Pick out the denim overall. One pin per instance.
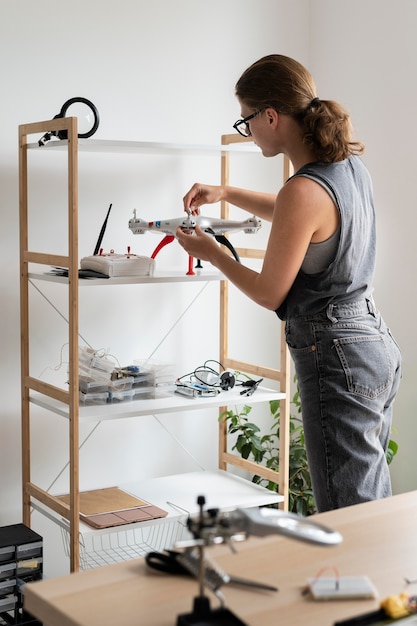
(347, 363)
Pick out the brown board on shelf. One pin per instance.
(111, 506)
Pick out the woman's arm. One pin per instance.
(303, 212)
(255, 203)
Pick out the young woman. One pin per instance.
(317, 275)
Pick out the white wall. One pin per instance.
(157, 70)
(364, 54)
(166, 71)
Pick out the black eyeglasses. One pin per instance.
(242, 125)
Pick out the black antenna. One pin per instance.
(102, 231)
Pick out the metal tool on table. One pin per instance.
(215, 527)
(187, 563)
(211, 527)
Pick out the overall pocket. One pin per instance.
(366, 364)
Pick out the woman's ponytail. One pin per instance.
(285, 85)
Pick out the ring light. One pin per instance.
(88, 119)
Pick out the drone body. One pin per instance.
(214, 226)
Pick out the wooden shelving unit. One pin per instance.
(65, 402)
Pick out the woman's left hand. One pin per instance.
(197, 243)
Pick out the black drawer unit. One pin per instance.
(21, 562)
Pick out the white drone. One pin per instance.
(213, 226)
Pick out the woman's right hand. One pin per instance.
(199, 195)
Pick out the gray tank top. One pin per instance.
(349, 276)
(320, 254)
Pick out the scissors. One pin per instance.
(185, 564)
(167, 562)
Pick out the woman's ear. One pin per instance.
(271, 116)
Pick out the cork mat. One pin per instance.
(105, 508)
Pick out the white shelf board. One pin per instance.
(221, 489)
(169, 403)
(160, 276)
(177, 494)
(114, 146)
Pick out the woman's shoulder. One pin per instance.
(332, 173)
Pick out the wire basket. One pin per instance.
(127, 543)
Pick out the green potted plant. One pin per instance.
(250, 443)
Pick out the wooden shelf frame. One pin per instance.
(281, 374)
(28, 383)
(33, 388)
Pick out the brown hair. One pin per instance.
(283, 84)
